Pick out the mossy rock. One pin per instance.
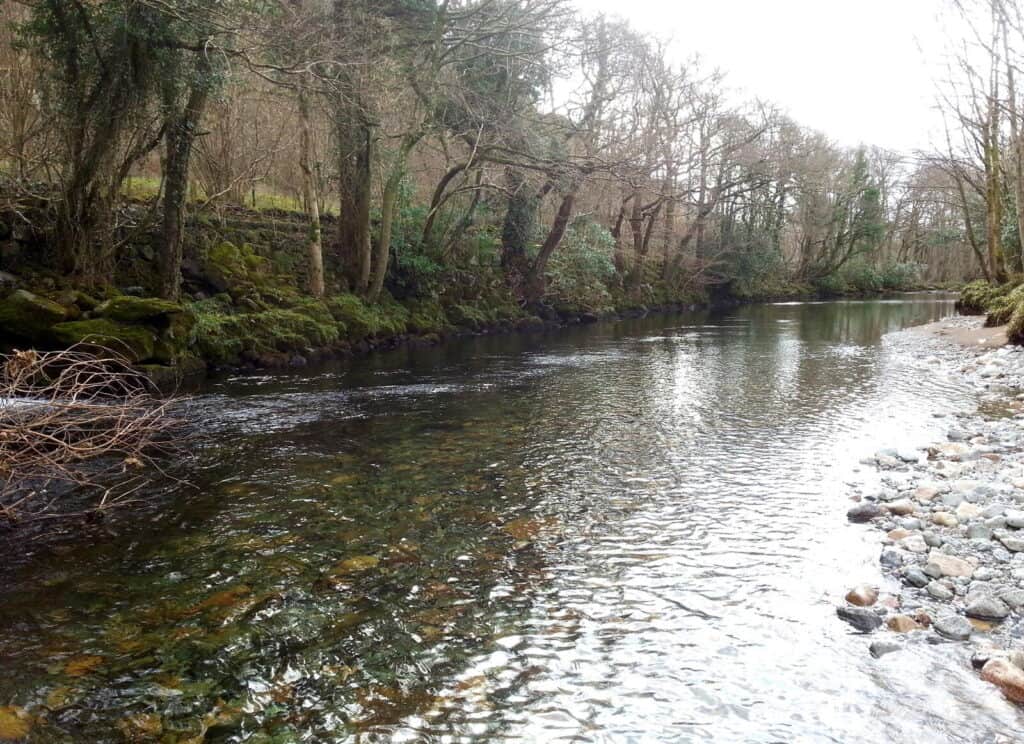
(28, 316)
(135, 342)
(978, 298)
(224, 339)
(138, 309)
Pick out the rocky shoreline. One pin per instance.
(952, 521)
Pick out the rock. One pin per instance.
(862, 619)
(915, 577)
(1014, 598)
(879, 649)
(29, 316)
(911, 523)
(932, 570)
(891, 558)
(864, 512)
(898, 534)
(914, 543)
(979, 532)
(953, 627)
(1012, 543)
(950, 565)
(952, 499)
(862, 596)
(138, 309)
(1007, 677)
(944, 519)
(966, 512)
(902, 624)
(939, 591)
(136, 343)
(933, 539)
(1015, 519)
(924, 494)
(902, 507)
(908, 455)
(987, 608)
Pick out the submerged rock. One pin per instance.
(903, 624)
(879, 649)
(954, 627)
(862, 619)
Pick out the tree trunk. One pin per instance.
(355, 160)
(535, 284)
(311, 198)
(180, 136)
(389, 204)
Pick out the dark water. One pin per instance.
(628, 532)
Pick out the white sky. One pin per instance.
(862, 71)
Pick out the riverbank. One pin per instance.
(951, 518)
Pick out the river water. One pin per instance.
(632, 531)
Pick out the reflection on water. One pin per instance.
(627, 532)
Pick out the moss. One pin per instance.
(224, 338)
(29, 316)
(137, 309)
(980, 297)
(428, 316)
(362, 321)
(467, 316)
(136, 342)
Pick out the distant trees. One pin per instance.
(428, 126)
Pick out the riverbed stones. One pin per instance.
(862, 596)
(987, 608)
(1007, 677)
(944, 519)
(862, 619)
(954, 627)
(864, 512)
(949, 565)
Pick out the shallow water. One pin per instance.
(633, 531)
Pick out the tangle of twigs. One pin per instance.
(79, 421)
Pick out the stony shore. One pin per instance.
(952, 520)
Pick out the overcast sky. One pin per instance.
(861, 71)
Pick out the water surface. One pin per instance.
(632, 531)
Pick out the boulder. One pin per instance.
(135, 342)
(138, 309)
(29, 316)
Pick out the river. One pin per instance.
(631, 531)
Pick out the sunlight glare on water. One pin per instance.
(626, 532)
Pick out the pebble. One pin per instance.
(1015, 519)
(902, 507)
(915, 577)
(1012, 543)
(939, 591)
(955, 627)
(1007, 677)
(902, 624)
(944, 519)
